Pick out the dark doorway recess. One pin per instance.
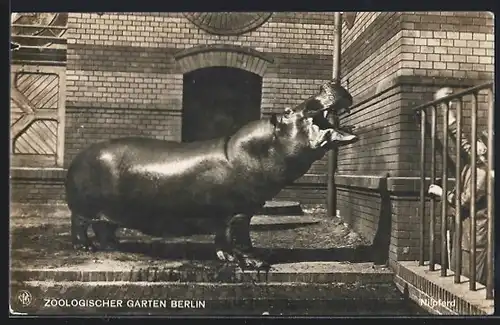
(217, 101)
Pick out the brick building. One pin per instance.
(146, 73)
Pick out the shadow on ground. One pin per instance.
(50, 245)
(45, 241)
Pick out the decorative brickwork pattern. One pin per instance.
(224, 56)
(228, 23)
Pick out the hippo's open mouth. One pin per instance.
(325, 133)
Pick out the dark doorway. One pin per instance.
(217, 101)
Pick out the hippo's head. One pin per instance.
(307, 126)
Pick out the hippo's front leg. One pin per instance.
(105, 233)
(234, 243)
(79, 237)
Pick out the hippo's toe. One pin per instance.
(108, 246)
(249, 261)
(87, 247)
(225, 256)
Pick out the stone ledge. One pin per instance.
(157, 290)
(369, 182)
(33, 174)
(425, 284)
(394, 184)
(357, 296)
(302, 272)
(282, 207)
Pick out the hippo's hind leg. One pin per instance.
(105, 233)
(235, 244)
(79, 236)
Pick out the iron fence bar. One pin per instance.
(458, 95)
(490, 195)
(432, 214)
(444, 201)
(473, 166)
(457, 244)
(422, 186)
(457, 240)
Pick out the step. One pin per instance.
(207, 272)
(278, 207)
(218, 298)
(281, 222)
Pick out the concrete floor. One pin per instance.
(319, 267)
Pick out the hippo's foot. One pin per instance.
(105, 233)
(225, 256)
(245, 260)
(234, 244)
(79, 237)
(87, 247)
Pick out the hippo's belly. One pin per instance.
(183, 186)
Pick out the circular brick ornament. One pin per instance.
(228, 23)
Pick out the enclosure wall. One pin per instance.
(401, 59)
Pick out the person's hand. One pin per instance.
(435, 190)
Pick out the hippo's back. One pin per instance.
(147, 176)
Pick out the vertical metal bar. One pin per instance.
(432, 214)
(333, 154)
(473, 182)
(422, 186)
(457, 245)
(444, 201)
(490, 192)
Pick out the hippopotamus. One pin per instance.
(167, 188)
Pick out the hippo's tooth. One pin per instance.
(325, 113)
(220, 255)
(349, 137)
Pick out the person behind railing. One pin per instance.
(465, 200)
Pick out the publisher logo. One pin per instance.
(25, 298)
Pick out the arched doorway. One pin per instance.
(217, 101)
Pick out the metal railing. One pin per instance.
(457, 240)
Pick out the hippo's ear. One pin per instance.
(274, 119)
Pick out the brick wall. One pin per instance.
(126, 66)
(402, 59)
(125, 72)
(370, 62)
